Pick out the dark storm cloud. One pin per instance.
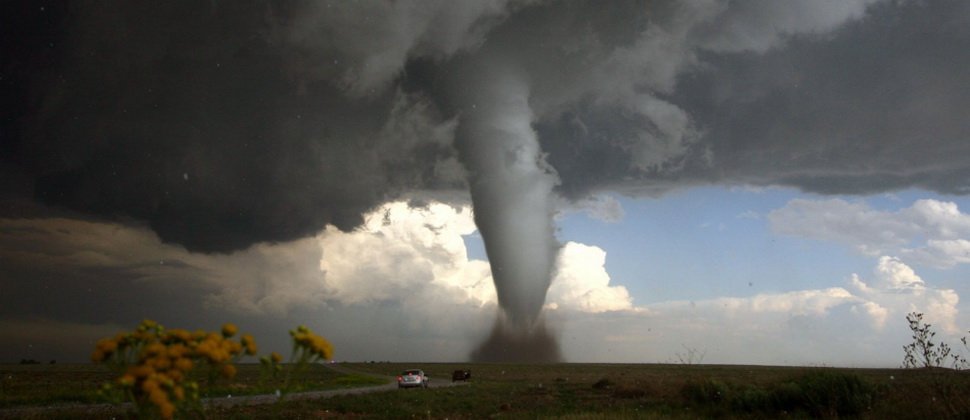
(881, 104)
(195, 117)
(62, 268)
(223, 124)
(874, 105)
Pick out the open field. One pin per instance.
(571, 391)
(74, 385)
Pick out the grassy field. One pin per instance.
(568, 391)
(23, 386)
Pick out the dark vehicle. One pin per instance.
(461, 375)
(412, 378)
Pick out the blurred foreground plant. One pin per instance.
(308, 348)
(155, 365)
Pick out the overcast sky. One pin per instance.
(763, 182)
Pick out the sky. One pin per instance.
(759, 182)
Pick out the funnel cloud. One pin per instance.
(512, 193)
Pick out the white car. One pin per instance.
(412, 378)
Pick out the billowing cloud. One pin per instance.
(407, 254)
(930, 231)
(73, 256)
(400, 251)
(365, 47)
(802, 302)
(268, 123)
(601, 207)
(403, 251)
(761, 25)
(409, 257)
(896, 290)
(581, 282)
(861, 324)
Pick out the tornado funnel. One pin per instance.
(512, 194)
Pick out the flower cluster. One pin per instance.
(270, 367)
(308, 348)
(155, 363)
(309, 345)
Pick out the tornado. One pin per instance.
(512, 193)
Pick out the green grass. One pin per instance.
(34, 385)
(355, 381)
(579, 391)
(316, 378)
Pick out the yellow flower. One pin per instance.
(140, 371)
(321, 347)
(150, 386)
(107, 345)
(104, 349)
(183, 364)
(167, 409)
(221, 356)
(228, 371)
(155, 349)
(229, 330)
(232, 347)
(249, 343)
(177, 350)
(181, 335)
(126, 380)
(159, 398)
(165, 359)
(276, 357)
(176, 375)
(161, 363)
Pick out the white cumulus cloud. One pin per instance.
(930, 232)
(897, 290)
(582, 283)
(403, 252)
(854, 325)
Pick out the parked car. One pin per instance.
(413, 378)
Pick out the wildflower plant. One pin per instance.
(270, 367)
(927, 353)
(943, 361)
(155, 365)
(308, 348)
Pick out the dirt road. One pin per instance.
(311, 395)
